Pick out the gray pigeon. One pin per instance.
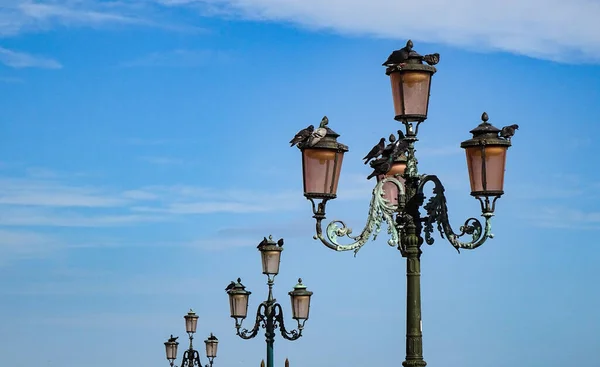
(375, 151)
(230, 286)
(507, 132)
(280, 242)
(399, 56)
(172, 339)
(380, 166)
(318, 134)
(302, 135)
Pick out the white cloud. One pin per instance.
(565, 218)
(551, 29)
(21, 60)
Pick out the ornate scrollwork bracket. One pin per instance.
(260, 321)
(289, 335)
(437, 212)
(380, 210)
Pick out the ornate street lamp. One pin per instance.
(398, 194)
(191, 357)
(269, 314)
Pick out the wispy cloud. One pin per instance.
(21, 60)
(565, 218)
(178, 58)
(25, 244)
(516, 26)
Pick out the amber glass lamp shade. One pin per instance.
(300, 298)
(271, 255)
(191, 322)
(486, 160)
(171, 350)
(211, 346)
(321, 171)
(411, 84)
(238, 299)
(390, 190)
(322, 165)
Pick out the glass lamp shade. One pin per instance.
(211, 346)
(300, 298)
(238, 299)
(171, 350)
(390, 190)
(321, 166)
(270, 253)
(410, 92)
(486, 160)
(191, 322)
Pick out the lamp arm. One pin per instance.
(289, 335)
(260, 319)
(437, 211)
(380, 210)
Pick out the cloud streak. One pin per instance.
(20, 60)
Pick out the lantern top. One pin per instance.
(326, 140)
(270, 245)
(487, 134)
(408, 59)
(191, 314)
(237, 288)
(300, 290)
(211, 339)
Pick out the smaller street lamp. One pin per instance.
(191, 357)
(269, 314)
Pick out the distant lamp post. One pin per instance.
(191, 357)
(269, 314)
(398, 195)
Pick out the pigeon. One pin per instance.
(380, 166)
(399, 56)
(264, 242)
(375, 151)
(507, 132)
(318, 134)
(302, 135)
(432, 59)
(280, 242)
(172, 339)
(400, 146)
(230, 286)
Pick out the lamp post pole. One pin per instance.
(191, 357)
(269, 314)
(398, 196)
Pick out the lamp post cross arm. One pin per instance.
(260, 320)
(380, 209)
(289, 335)
(437, 212)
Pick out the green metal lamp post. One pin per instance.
(191, 357)
(269, 314)
(398, 195)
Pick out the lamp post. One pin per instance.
(191, 357)
(398, 195)
(269, 314)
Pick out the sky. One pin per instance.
(144, 154)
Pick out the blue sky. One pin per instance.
(144, 154)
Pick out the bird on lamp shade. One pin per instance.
(318, 134)
(302, 135)
(508, 132)
(172, 339)
(375, 151)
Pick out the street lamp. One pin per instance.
(398, 195)
(269, 314)
(191, 357)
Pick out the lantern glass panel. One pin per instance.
(238, 304)
(410, 91)
(300, 307)
(495, 160)
(322, 169)
(270, 262)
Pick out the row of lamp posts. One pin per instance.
(398, 200)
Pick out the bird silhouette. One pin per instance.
(399, 56)
(507, 132)
(318, 134)
(230, 286)
(380, 166)
(172, 339)
(302, 135)
(375, 151)
(280, 242)
(432, 59)
(264, 242)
